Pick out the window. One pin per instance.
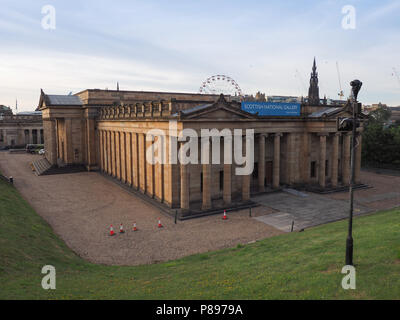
(201, 182)
(313, 169)
(221, 180)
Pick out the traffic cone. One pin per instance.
(134, 227)
(121, 229)
(159, 223)
(224, 217)
(112, 233)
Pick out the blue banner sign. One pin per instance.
(272, 108)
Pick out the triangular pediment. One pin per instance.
(219, 114)
(220, 110)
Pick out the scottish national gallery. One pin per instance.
(111, 131)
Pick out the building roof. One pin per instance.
(325, 111)
(29, 113)
(63, 100)
(194, 109)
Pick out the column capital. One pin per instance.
(278, 134)
(322, 134)
(265, 135)
(338, 134)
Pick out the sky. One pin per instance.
(168, 45)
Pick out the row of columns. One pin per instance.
(305, 161)
(123, 155)
(227, 177)
(30, 135)
(346, 155)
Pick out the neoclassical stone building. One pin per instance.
(106, 130)
(17, 130)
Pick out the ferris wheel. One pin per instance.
(220, 84)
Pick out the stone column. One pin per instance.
(227, 192)
(123, 157)
(142, 162)
(322, 160)
(50, 141)
(346, 159)
(150, 167)
(335, 155)
(305, 170)
(105, 150)
(91, 144)
(207, 204)
(113, 151)
(103, 160)
(39, 137)
(135, 160)
(101, 150)
(128, 151)
(292, 158)
(159, 170)
(118, 155)
(245, 178)
(185, 200)
(109, 153)
(69, 154)
(261, 163)
(277, 158)
(357, 162)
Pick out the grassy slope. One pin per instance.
(297, 265)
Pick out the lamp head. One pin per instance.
(355, 88)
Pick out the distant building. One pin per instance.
(287, 99)
(313, 91)
(20, 129)
(395, 117)
(374, 106)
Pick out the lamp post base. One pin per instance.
(349, 251)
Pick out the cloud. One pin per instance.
(175, 45)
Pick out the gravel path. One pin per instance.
(81, 206)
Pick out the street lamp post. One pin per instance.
(356, 86)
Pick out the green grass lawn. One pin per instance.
(302, 265)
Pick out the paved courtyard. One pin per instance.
(307, 209)
(304, 210)
(81, 206)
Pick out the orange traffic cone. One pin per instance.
(112, 233)
(134, 227)
(224, 217)
(121, 229)
(159, 223)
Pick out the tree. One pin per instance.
(381, 144)
(380, 115)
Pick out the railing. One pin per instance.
(157, 109)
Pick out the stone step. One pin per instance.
(41, 166)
